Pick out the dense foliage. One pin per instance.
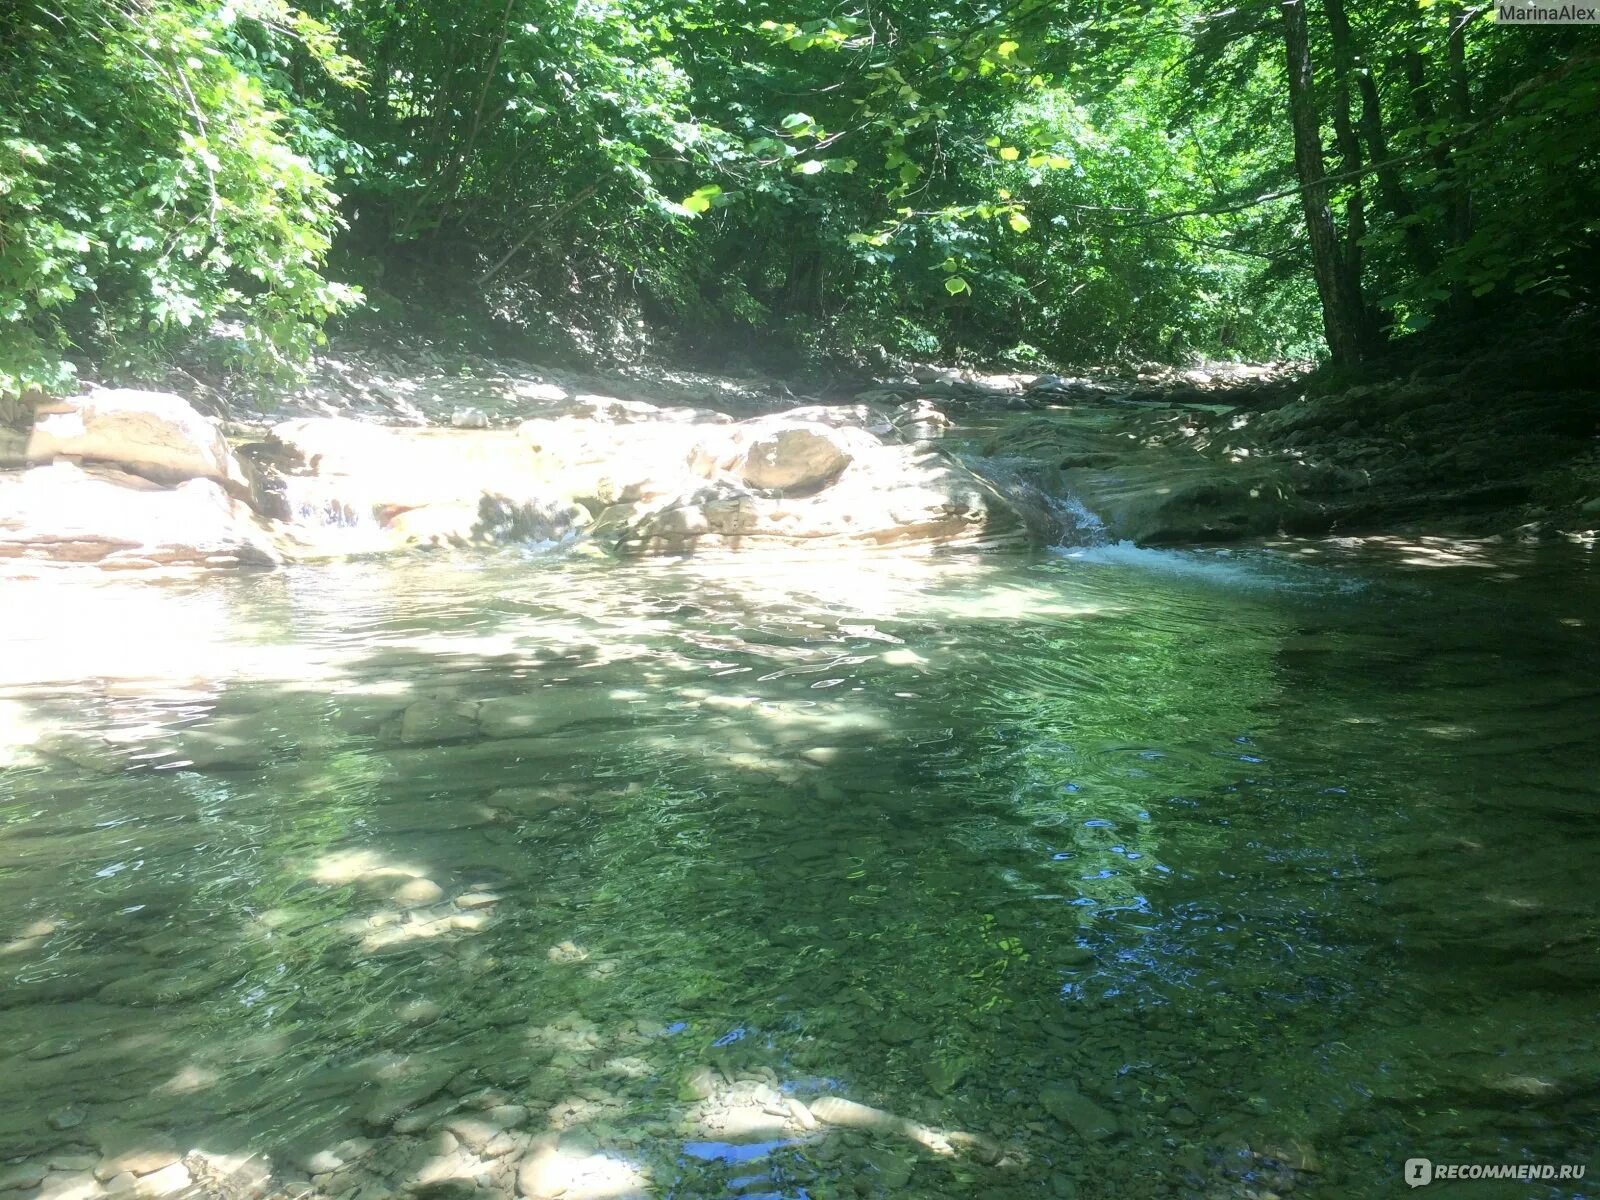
(148, 185)
(1033, 181)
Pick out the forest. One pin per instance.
(1028, 183)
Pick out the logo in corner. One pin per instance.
(1419, 1171)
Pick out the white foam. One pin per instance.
(1255, 571)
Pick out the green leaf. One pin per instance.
(1010, 153)
(1020, 223)
(955, 285)
(700, 199)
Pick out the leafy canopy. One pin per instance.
(1032, 181)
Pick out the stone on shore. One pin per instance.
(155, 435)
(794, 461)
(66, 513)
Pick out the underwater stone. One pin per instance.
(173, 1177)
(418, 891)
(698, 1083)
(69, 1117)
(20, 1176)
(137, 1151)
(439, 721)
(835, 1110)
(1072, 1108)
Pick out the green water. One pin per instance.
(1132, 874)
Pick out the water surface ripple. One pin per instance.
(1118, 874)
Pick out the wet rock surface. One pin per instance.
(64, 513)
(155, 435)
(643, 481)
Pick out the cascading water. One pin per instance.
(323, 502)
(1054, 516)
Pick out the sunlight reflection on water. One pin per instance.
(1125, 866)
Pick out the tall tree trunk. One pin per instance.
(1392, 193)
(1341, 303)
(1452, 116)
(1460, 95)
(1355, 210)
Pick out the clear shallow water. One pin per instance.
(1113, 874)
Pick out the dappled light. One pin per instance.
(544, 880)
(625, 600)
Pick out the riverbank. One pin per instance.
(387, 449)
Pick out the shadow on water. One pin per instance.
(996, 877)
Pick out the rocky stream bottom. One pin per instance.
(1109, 873)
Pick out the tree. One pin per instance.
(148, 187)
(1023, 181)
(1337, 278)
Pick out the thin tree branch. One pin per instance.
(533, 231)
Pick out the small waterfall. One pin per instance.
(325, 503)
(1079, 526)
(331, 515)
(1054, 516)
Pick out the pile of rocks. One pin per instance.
(131, 478)
(1022, 392)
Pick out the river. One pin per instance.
(1096, 872)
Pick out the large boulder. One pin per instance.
(155, 435)
(794, 461)
(891, 495)
(66, 513)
